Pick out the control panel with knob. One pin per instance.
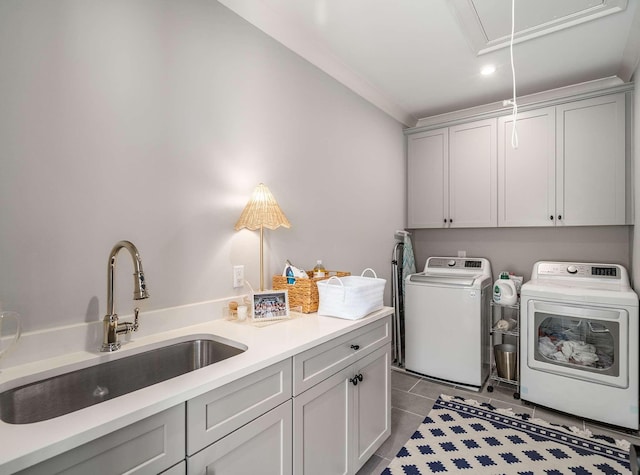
(570, 269)
(462, 264)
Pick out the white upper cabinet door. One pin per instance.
(526, 175)
(427, 178)
(591, 163)
(473, 161)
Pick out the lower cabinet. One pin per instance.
(371, 406)
(146, 447)
(339, 423)
(322, 419)
(262, 446)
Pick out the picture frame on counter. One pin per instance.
(270, 305)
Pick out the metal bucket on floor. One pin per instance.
(506, 356)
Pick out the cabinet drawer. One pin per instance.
(316, 364)
(214, 414)
(146, 447)
(264, 446)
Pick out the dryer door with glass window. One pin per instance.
(583, 342)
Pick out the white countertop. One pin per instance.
(27, 444)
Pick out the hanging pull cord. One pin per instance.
(514, 132)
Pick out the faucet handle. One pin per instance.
(122, 328)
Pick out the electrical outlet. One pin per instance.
(238, 276)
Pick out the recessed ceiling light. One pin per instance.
(488, 70)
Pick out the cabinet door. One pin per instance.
(427, 179)
(372, 405)
(473, 162)
(322, 427)
(591, 161)
(526, 175)
(263, 446)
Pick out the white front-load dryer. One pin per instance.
(447, 320)
(579, 341)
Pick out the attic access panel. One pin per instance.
(487, 23)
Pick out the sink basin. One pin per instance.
(69, 392)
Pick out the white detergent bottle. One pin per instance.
(504, 290)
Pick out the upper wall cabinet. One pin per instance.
(472, 174)
(569, 167)
(590, 162)
(452, 177)
(428, 179)
(527, 174)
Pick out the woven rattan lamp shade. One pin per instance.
(262, 210)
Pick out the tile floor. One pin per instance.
(412, 398)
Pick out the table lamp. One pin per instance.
(262, 211)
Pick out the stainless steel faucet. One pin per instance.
(113, 328)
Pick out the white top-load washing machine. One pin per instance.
(447, 312)
(579, 341)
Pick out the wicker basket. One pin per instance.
(304, 292)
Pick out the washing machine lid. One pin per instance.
(453, 272)
(447, 280)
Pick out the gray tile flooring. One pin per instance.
(412, 398)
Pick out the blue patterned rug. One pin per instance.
(466, 436)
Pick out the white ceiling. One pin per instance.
(418, 58)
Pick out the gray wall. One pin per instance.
(153, 121)
(517, 249)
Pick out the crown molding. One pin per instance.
(598, 87)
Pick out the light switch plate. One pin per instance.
(238, 276)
